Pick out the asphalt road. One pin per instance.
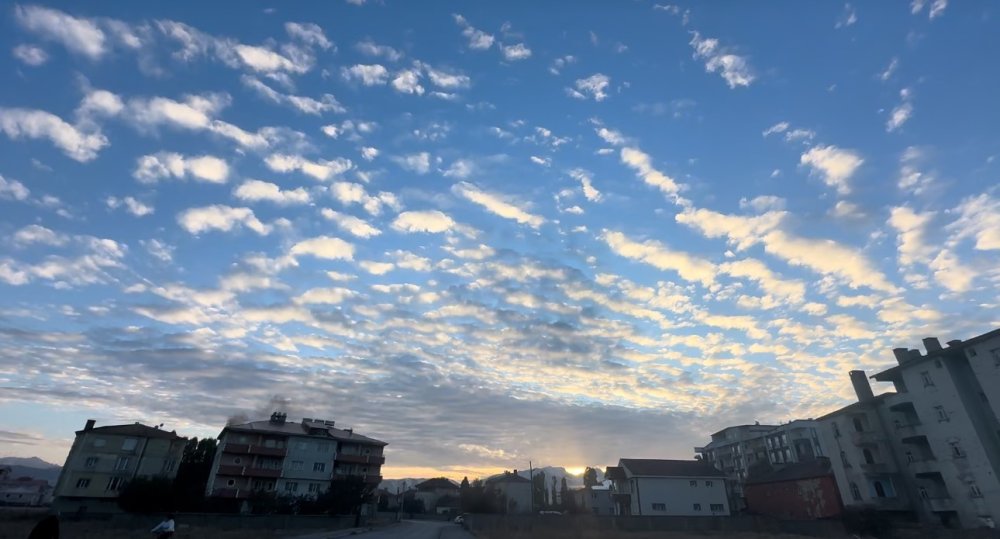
(408, 529)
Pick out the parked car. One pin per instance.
(460, 519)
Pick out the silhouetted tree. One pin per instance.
(479, 499)
(193, 472)
(147, 495)
(565, 497)
(553, 497)
(465, 483)
(538, 490)
(346, 496)
(589, 477)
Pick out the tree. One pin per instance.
(589, 477)
(538, 491)
(465, 483)
(346, 496)
(553, 497)
(193, 472)
(565, 497)
(147, 495)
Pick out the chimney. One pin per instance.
(912, 355)
(955, 342)
(900, 354)
(862, 387)
(932, 344)
(278, 418)
(90, 424)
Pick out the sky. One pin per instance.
(486, 233)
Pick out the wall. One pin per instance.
(678, 496)
(802, 499)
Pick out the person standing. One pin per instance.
(164, 529)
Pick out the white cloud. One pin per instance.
(849, 17)
(594, 87)
(376, 268)
(325, 247)
(12, 189)
(763, 203)
(370, 48)
(75, 142)
(257, 190)
(559, 63)
(889, 70)
(307, 105)
(902, 112)
(478, 40)
(911, 178)
(81, 36)
(367, 74)
(978, 218)
(589, 191)
(320, 170)
(432, 221)
(516, 52)
(151, 168)
(308, 33)
(159, 250)
(37, 234)
(193, 114)
(950, 273)
(326, 296)
(408, 82)
(543, 161)
(351, 224)
(265, 60)
(30, 55)
(446, 79)
(131, 205)
(936, 10)
(611, 136)
(791, 135)
(846, 210)
(642, 164)
(222, 218)
(911, 227)
(733, 68)
(749, 268)
(835, 165)
(690, 268)
(496, 204)
(415, 162)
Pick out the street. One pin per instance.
(407, 529)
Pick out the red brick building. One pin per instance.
(800, 491)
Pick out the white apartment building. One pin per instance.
(657, 487)
(931, 449)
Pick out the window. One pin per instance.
(974, 491)
(115, 484)
(910, 457)
(956, 450)
(693, 483)
(231, 483)
(291, 486)
(313, 487)
(843, 459)
(708, 483)
(169, 465)
(659, 507)
(855, 492)
(100, 442)
(717, 507)
(697, 507)
(836, 430)
(270, 443)
(879, 489)
(297, 464)
(924, 495)
(319, 467)
(237, 460)
(121, 463)
(996, 356)
(129, 444)
(83, 483)
(857, 425)
(942, 414)
(869, 459)
(91, 462)
(926, 377)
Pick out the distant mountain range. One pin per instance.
(32, 467)
(572, 481)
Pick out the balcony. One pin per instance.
(908, 430)
(246, 449)
(940, 504)
(868, 437)
(361, 459)
(226, 493)
(231, 470)
(923, 467)
(877, 468)
(373, 479)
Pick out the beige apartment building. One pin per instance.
(931, 449)
(103, 460)
(288, 458)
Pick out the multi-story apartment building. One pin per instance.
(103, 460)
(932, 448)
(299, 459)
(737, 450)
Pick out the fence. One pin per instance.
(721, 525)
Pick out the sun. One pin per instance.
(576, 470)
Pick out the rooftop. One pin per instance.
(794, 472)
(507, 477)
(134, 429)
(941, 353)
(304, 428)
(669, 468)
(436, 483)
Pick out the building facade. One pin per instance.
(294, 459)
(438, 495)
(513, 490)
(595, 500)
(654, 487)
(103, 460)
(931, 449)
(25, 491)
(798, 491)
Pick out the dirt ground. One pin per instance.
(609, 534)
(19, 529)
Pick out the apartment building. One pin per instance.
(660, 487)
(739, 450)
(297, 459)
(103, 460)
(931, 449)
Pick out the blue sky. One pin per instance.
(486, 233)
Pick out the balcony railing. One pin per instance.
(247, 449)
(866, 437)
(906, 430)
(876, 467)
(361, 459)
(925, 466)
(230, 470)
(941, 503)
